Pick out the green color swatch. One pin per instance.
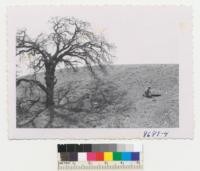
(117, 156)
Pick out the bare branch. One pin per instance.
(24, 44)
(35, 82)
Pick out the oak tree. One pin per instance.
(70, 43)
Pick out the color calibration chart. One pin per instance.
(100, 157)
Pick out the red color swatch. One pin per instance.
(99, 156)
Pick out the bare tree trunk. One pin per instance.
(50, 82)
(51, 117)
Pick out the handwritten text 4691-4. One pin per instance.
(155, 133)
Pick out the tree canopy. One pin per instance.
(70, 42)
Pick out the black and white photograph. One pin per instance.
(99, 68)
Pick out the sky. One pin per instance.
(141, 34)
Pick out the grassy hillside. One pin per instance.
(123, 86)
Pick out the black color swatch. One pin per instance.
(71, 147)
(61, 148)
(80, 148)
(87, 147)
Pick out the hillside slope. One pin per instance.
(128, 108)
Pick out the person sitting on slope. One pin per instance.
(148, 93)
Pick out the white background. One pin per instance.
(40, 155)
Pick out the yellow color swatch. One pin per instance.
(108, 156)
